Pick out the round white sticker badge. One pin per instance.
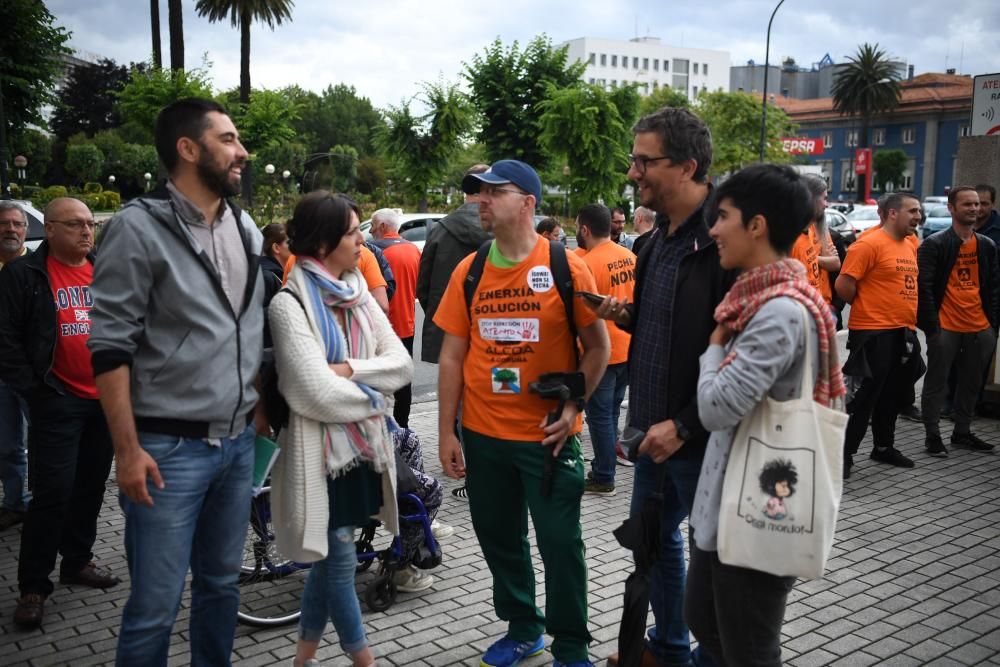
(540, 279)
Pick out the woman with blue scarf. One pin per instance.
(338, 363)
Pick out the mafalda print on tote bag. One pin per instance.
(771, 479)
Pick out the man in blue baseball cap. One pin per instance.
(503, 172)
(508, 318)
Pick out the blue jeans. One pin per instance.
(603, 409)
(329, 593)
(200, 518)
(13, 454)
(669, 639)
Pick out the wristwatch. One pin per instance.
(682, 431)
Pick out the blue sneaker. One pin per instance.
(508, 652)
(581, 663)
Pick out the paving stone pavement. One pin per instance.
(914, 579)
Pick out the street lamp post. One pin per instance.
(767, 66)
(147, 177)
(21, 164)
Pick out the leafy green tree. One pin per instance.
(371, 174)
(506, 85)
(585, 126)
(421, 147)
(242, 14)
(345, 163)
(266, 121)
(84, 162)
(868, 85)
(734, 120)
(134, 160)
(288, 155)
(150, 90)
(890, 166)
(336, 116)
(31, 48)
(87, 99)
(664, 96)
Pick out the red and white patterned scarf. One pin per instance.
(786, 277)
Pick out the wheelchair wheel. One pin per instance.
(381, 592)
(365, 548)
(271, 584)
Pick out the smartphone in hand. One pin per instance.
(596, 299)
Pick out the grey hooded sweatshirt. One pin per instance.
(160, 307)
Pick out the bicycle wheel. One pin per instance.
(270, 583)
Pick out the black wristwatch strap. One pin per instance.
(682, 432)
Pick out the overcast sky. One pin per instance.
(386, 48)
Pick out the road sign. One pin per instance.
(985, 105)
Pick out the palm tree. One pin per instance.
(867, 86)
(176, 22)
(154, 18)
(242, 13)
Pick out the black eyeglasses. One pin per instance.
(16, 224)
(640, 162)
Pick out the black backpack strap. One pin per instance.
(475, 274)
(564, 284)
(296, 296)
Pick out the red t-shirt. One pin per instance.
(404, 260)
(71, 291)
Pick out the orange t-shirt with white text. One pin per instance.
(517, 332)
(886, 273)
(961, 308)
(807, 249)
(613, 267)
(404, 260)
(367, 264)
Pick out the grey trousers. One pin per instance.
(971, 354)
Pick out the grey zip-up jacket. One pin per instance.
(159, 307)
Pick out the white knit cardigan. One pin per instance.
(316, 395)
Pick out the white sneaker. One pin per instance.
(441, 530)
(412, 580)
(311, 662)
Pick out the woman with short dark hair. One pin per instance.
(757, 349)
(338, 364)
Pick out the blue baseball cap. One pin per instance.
(506, 171)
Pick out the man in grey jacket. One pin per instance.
(450, 241)
(176, 339)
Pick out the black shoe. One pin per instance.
(29, 611)
(10, 518)
(970, 441)
(460, 493)
(91, 576)
(892, 456)
(911, 413)
(935, 447)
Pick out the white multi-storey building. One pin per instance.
(647, 62)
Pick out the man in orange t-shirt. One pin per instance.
(958, 311)
(404, 260)
(514, 330)
(613, 267)
(879, 280)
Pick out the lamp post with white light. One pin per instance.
(763, 96)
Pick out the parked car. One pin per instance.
(838, 224)
(864, 216)
(412, 227)
(36, 226)
(934, 200)
(938, 218)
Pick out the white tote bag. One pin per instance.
(783, 484)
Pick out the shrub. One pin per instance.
(15, 190)
(42, 198)
(92, 188)
(110, 201)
